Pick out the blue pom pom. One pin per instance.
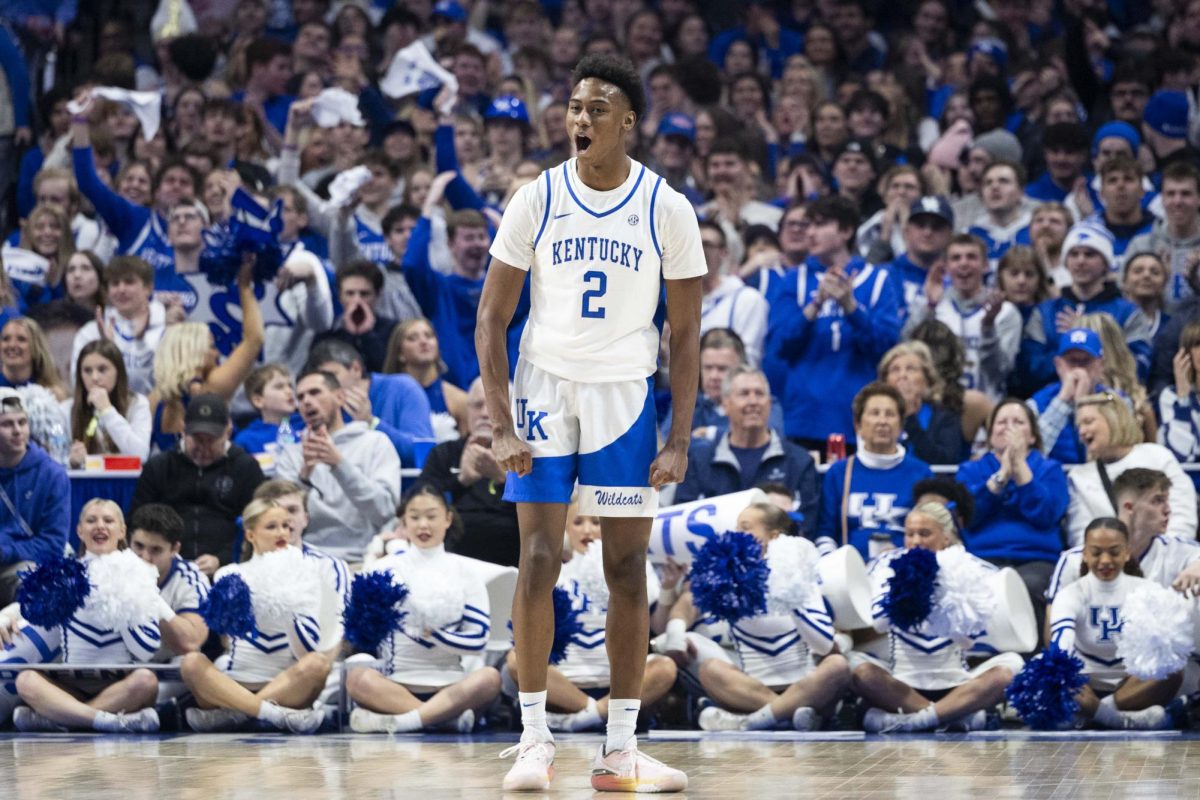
(1044, 692)
(52, 592)
(729, 577)
(250, 229)
(566, 624)
(373, 612)
(909, 598)
(228, 609)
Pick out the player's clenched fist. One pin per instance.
(511, 453)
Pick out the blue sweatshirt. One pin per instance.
(255, 437)
(139, 231)
(400, 401)
(880, 498)
(1022, 522)
(41, 492)
(829, 359)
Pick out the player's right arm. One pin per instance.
(501, 292)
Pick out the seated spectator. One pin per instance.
(1107, 583)
(155, 531)
(466, 471)
(290, 664)
(1080, 367)
(394, 405)
(397, 698)
(749, 453)
(932, 431)
(414, 350)
(1089, 254)
(854, 170)
(1122, 214)
(864, 497)
(783, 686)
(35, 493)
(25, 357)
(1047, 234)
(1005, 218)
(269, 389)
(926, 232)
(84, 281)
(131, 320)
(1144, 283)
(1114, 444)
(359, 284)
(1021, 277)
(1020, 497)
(106, 414)
(834, 318)
(925, 679)
(988, 326)
(207, 481)
(110, 706)
(47, 234)
(971, 405)
(1065, 145)
(353, 471)
(1178, 233)
(1179, 404)
(728, 302)
(396, 301)
(881, 237)
(731, 178)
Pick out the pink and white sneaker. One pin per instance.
(631, 770)
(534, 768)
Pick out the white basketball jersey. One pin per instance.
(597, 260)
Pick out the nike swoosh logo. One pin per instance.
(560, 216)
(528, 705)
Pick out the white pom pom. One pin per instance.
(435, 600)
(792, 561)
(963, 601)
(588, 571)
(1156, 632)
(282, 583)
(125, 590)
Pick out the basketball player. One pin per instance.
(596, 236)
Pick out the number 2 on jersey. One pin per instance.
(589, 311)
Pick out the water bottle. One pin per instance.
(58, 443)
(285, 435)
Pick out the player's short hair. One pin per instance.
(176, 162)
(278, 488)
(1138, 481)
(260, 376)
(875, 389)
(122, 267)
(334, 350)
(1120, 165)
(739, 371)
(617, 70)
(331, 381)
(463, 218)
(1181, 171)
(1017, 169)
(360, 268)
(837, 209)
(969, 240)
(160, 519)
(723, 339)
(398, 212)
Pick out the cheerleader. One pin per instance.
(155, 538)
(432, 675)
(926, 679)
(276, 676)
(776, 681)
(69, 703)
(578, 687)
(1087, 619)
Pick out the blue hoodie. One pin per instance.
(39, 488)
(1022, 522)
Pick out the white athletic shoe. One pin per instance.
(302, 720)
(463, 723)
(876, 720)
(976, 721)
(364, 721)
(631, 770)
(718, 719)
(1154, 718)
(214, 720)
(534, 768)
(26, 720)
(144, 721)
(806, 719)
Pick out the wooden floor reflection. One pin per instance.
(734, 766)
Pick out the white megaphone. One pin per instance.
(678, 532)
(1013, 627)
(846, 588)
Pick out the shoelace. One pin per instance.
(524, 749)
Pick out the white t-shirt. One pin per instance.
(597, 260)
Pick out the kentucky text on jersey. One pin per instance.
(596, 248)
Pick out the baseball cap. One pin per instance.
(1167, 114)
(9, 398)
(933, 206)
(1089, 235)
(451, 10)
(863, 147)
(1082, 339)
(507, 108)
(207, 413)
(677, 125)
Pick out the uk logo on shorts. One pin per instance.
(530, 421)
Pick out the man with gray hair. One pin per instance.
(750, 453)
(35, 498)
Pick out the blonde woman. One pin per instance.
(46, 232)
(1121, 370)
(1114, 444)
(187, 364)
(25, 358)
(932, 432)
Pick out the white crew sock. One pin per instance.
(586, 719)
(622, 722)
(1108, 715)
(761, 720)
(271, 713)
(676, 635)
(408, 722)
(533, 716)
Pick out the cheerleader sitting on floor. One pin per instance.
(578, 686)
(1087, 618)
(432, 673)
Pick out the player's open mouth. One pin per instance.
(582, 143)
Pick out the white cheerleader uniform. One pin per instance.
(428, 661)
(778, 649)
(1086, 620)
(1165, 557)
(927, 663)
